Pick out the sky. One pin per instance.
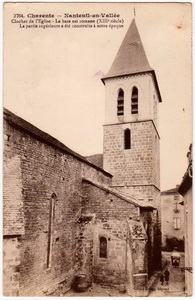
(52, 77)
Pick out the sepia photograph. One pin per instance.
(97, 151)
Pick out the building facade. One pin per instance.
(172, 220)
(185, 189)
(64, 217)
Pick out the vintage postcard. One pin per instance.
(97, 198)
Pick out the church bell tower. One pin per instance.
(131, 137)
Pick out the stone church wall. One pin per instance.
(13, 224)
(11, 265)
(47, 173)
(105, 204)
(56, 189)
(111, 215)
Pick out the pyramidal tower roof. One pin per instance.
(131, 57)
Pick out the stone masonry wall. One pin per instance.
(111, 214)
(151, 195)
(46, 170)
(148, 193)
(11, 266)
(94, 174)
(106, 204)
(135, 166)
(13, 215)
(112, 269)
(85, 247)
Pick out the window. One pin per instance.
(103, 247)
(51, 228)
(134, 101)
(176, 204)
(176, 210)
(120, 103)
(127, 138)
(177, 223)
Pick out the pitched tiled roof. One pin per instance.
(96, 159)
(131, 57)
(171, 191)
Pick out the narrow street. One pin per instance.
(174, 289)
(176, 280)
(97, 290)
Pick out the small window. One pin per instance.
(103, 247)
(127, 138)
(177, 223)
(134, 101)
(176, 209)
(120, 103)
(176, 198)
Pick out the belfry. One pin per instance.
(131, 137)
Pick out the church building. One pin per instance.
(68, 222)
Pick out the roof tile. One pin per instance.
(131, 57)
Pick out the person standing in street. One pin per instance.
(161, 278)
(167, 274)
